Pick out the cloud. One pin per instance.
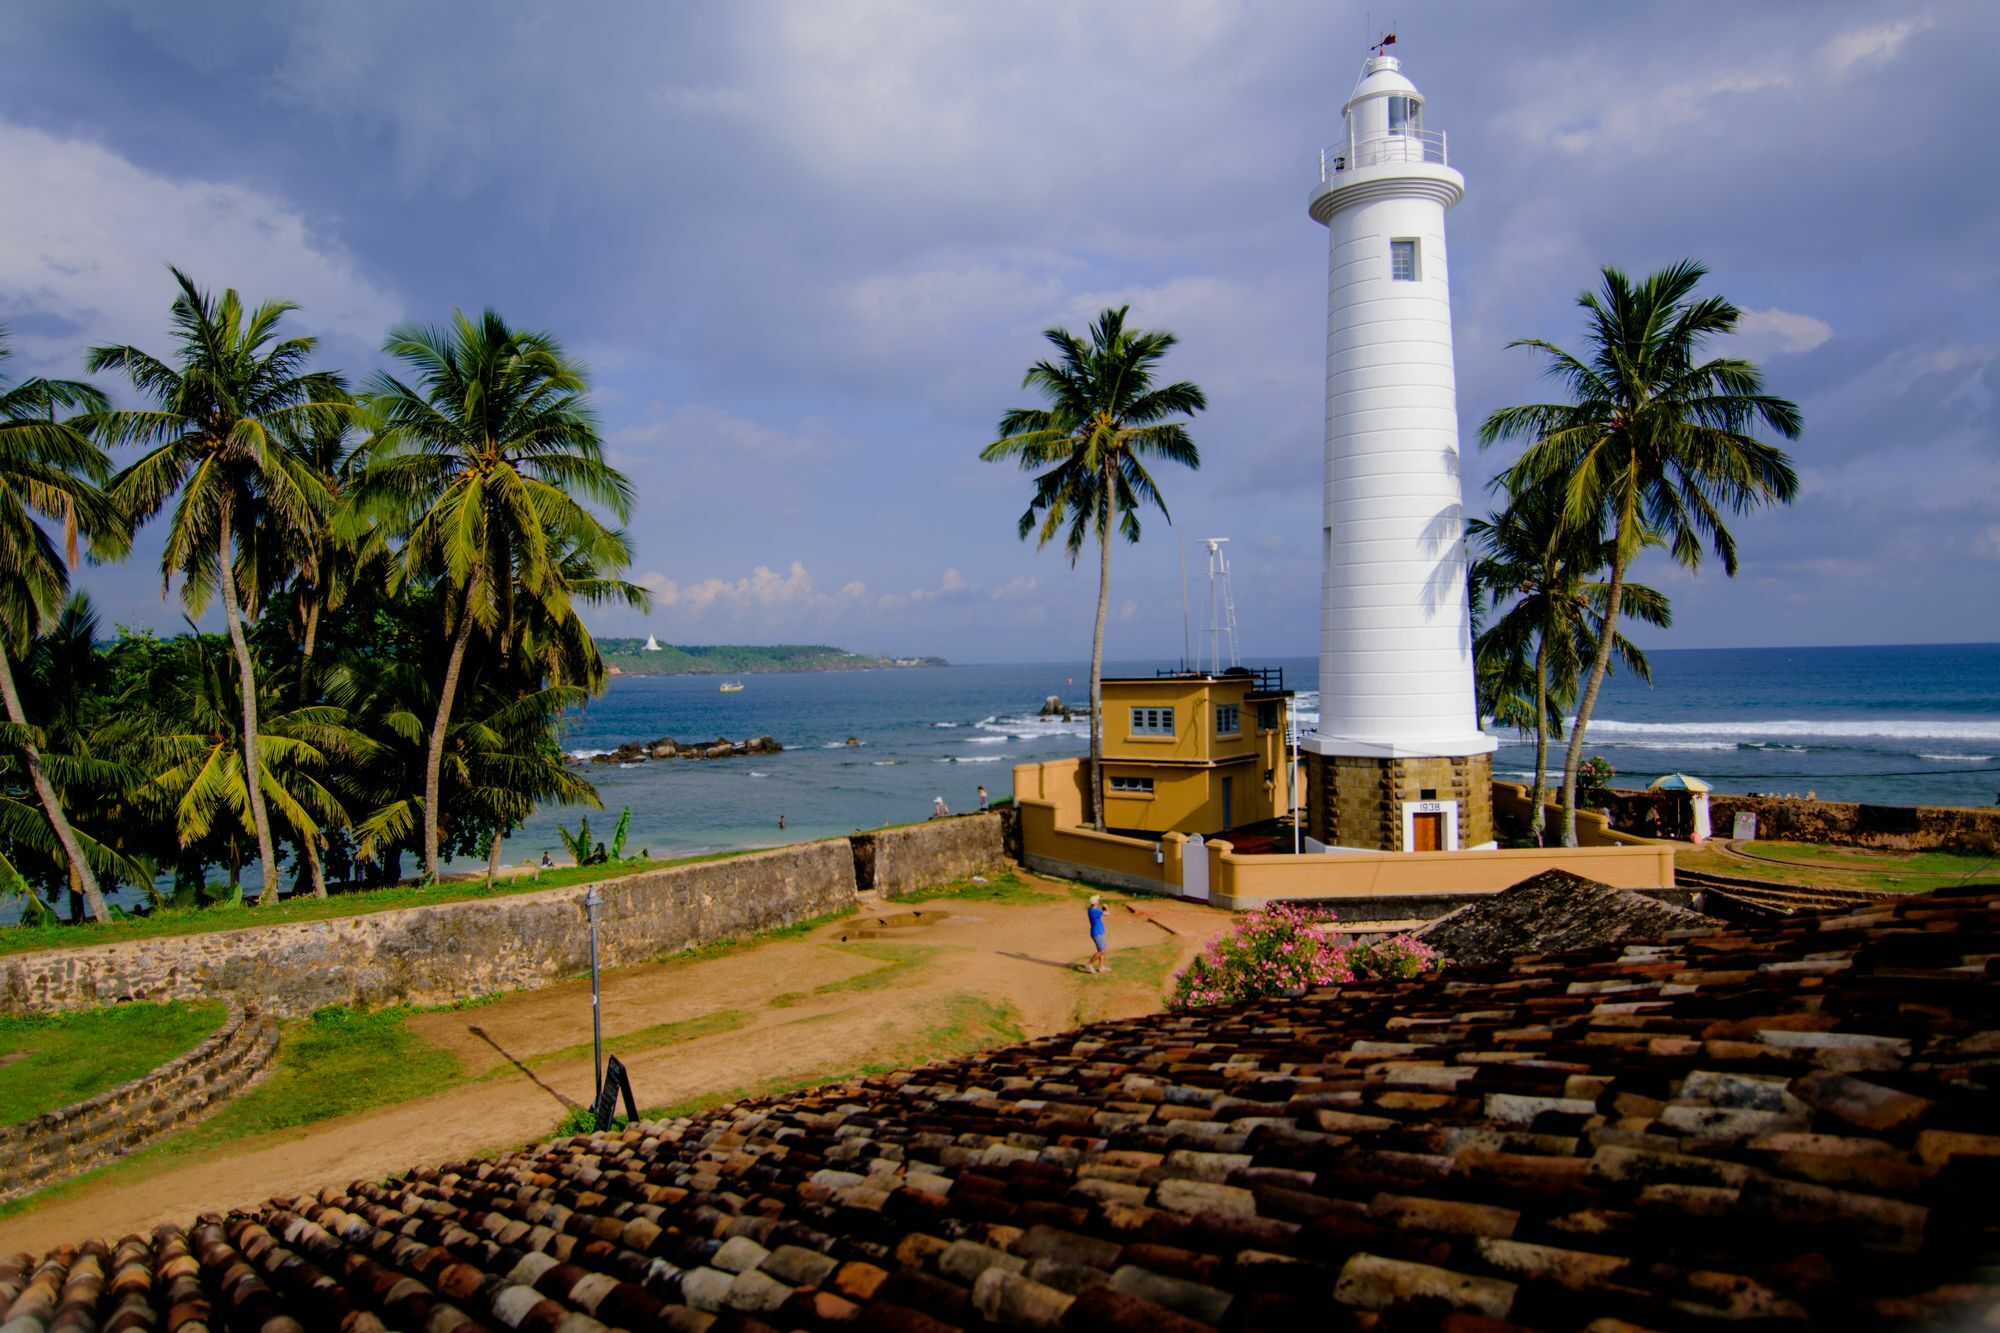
(1843, 51)
(86, 237)
(1774, 331)
(713, 439)
(763, 589)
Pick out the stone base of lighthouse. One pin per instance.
(1400, 804)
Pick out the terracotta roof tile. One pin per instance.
(1794, 1125)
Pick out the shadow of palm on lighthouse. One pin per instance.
(1398, 762)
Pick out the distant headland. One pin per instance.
(649, 657)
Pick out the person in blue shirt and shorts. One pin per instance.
(1096, 963)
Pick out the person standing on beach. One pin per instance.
(982, 800)
(1096, 913)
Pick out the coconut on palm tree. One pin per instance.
(1088, 449)
(1653, 443)
(222, 435)
(50, 474)
(1537, 649)
(488, 460)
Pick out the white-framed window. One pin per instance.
(1137, 786)
(1403, 260)
(1228, 720)
(1152, 722)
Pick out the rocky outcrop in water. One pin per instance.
(666, 747)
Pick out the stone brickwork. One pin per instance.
(51, 1147)
(447, 952)
(1358, 802)
(897, 861)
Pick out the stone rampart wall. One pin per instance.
(447, 952)
(1913, 828)
(897, 861)
(77, 1138)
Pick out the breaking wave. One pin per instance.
(1853, 729)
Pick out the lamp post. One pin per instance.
(591, 902)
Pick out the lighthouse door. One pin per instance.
(1427, 833)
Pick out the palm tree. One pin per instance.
(50, 472)
(223, 433)
(1088, 449)
(203, 758)
(1534, 652)
(488, 462)
(1653, 443)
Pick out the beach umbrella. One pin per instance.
(1677, 782)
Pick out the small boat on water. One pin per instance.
(731, 687)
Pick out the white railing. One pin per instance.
(1379, 149)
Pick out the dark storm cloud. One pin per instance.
(808, 249)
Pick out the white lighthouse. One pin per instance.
(1399, 762)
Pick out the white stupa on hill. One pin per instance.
(652, 644)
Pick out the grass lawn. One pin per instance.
(1005, 887)
(359, 902)
(1812, 865)
(48, 1061)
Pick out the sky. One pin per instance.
(808, 249)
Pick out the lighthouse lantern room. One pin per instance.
(1398, 762)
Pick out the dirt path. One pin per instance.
(974, 975)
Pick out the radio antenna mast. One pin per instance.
(1220, 624)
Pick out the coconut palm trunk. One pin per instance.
(493, 860)
(246, 672)
(434, 757)
(1104, 529)
(81, 876)
(1538, 819)
(1599, 664)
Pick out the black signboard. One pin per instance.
(615, 1081)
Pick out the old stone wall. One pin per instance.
(1839, 823)
(88, 1134)
(447, 952)
(1358, 802)
(897, 861)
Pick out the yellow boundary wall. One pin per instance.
(1053, 839)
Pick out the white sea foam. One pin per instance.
(1853, 729)
(1666, 745)
(944, 724)
(1038, 728)
(880, 763)
(1958, 758)
(755, 774)
(626, 765)
(988, 740)
(973, 759)
(587, 754)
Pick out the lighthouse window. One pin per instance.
(1406, 115)
(1403, 261)
(1152, 722)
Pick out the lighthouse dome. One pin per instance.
(1383, 102)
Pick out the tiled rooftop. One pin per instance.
(1793, 1126)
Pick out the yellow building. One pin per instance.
(1192, 752)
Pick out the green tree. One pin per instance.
(50, 473)
(1536, 649)
(1653, 443)
(223, 433)
(488, 463)
(202, 756)
(1088, 450)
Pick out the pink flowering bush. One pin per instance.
(1280, 950)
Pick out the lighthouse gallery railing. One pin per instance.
(1378, 149)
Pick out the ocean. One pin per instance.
(1888, 725)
